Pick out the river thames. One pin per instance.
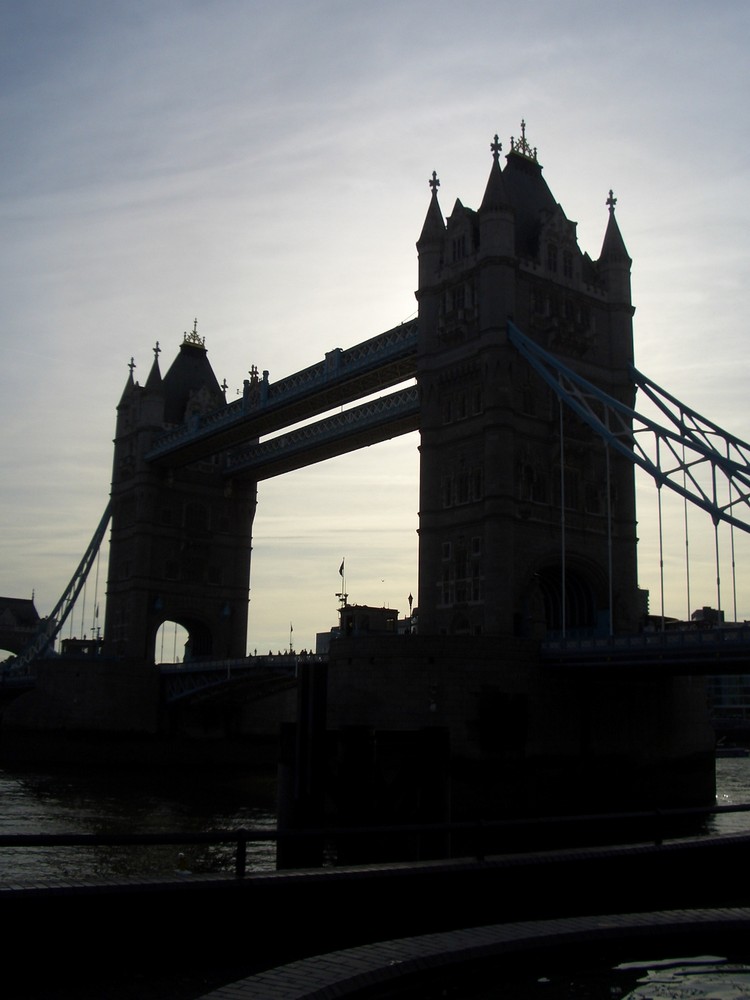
(122, 801)
(115, 801)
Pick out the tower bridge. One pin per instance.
(519, 376)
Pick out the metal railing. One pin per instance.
(655, 826)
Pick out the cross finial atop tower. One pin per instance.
(434, 182)
(193, 337)
(157, 351)
(611, 202)
(132, 366)
(496, 148)
(522, 145)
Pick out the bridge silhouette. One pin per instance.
(535, 673)
(504, 289)
(688, 454)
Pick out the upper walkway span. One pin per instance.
(265, 407)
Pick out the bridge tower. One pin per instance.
(522, 512)
(181, 537)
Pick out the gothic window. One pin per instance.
(527, 400)
(551, 257)
(462, 492)
(592, 499)
(459, 248)
(571, 489)
(539, 489)
(567, 264)
(196, 518)
(446, 587)
(446, 490)
(476, 584)
(477, 484)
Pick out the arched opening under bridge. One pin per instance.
(182, 641)
(568, 602)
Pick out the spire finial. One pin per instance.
(496, 148)
(193, 337)
(611, 202)
(434, 182)
(132, 366)
(157, 351)
(522, 145)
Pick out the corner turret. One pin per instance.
(496, 223)
(430, 242)
(614, 261)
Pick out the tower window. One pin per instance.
(551, 257)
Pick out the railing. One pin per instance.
(709, 638)
(657, 821)
(185, 679)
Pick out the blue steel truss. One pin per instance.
(50, 627)
(693, 457)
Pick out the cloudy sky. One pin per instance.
(262, 166)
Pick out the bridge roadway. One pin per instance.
(724, 650)
(265, 674)
(680, 652)
(267, 407)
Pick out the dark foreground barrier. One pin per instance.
(539, 960)
(223, 929)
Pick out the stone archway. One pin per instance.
(579, 596)
(182, 639)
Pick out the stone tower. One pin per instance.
(527, 524)
(181, 537)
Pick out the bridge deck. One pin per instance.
(680, 651)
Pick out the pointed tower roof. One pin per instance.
(154, 382)
(495, 196)
(613, 247)
(528, 193)
(129, 385)
(433, 229)
(189, 373)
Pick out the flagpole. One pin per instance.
(342, 573)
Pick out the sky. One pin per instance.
(263, 168)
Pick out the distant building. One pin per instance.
(19, 621)
(360, 620)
